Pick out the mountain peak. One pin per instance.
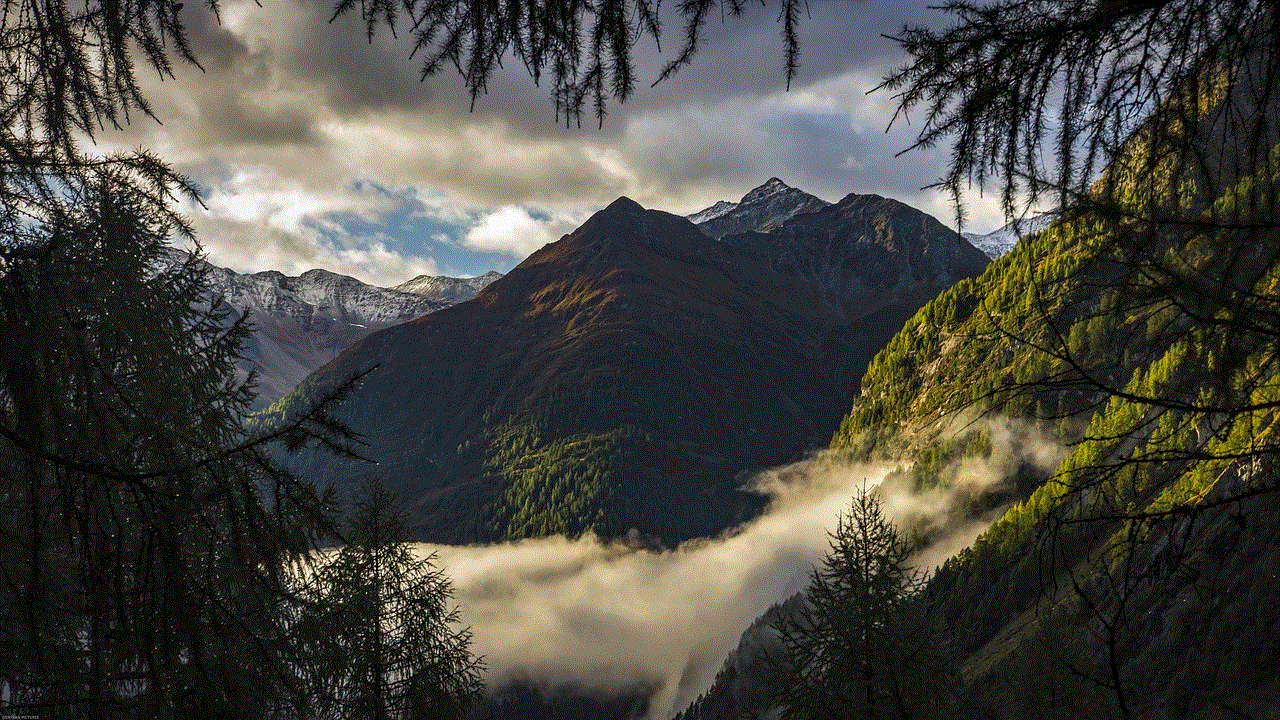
(621, 212)
(773, 186)
(320, 274)
(445, 289)
(764, 207)
(606, 346)
(623, 205)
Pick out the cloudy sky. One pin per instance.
(315, 148)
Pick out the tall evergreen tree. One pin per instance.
(860, 646)
(1165, 154)
(69, 70)
(1164, 151)
(381, 639)
(147, 537)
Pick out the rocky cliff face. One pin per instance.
(301, 323)
(864, 253)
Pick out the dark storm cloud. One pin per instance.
(236, 120)
(740, 57)
(745, 56)
(214, 46)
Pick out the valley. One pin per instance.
(583, 420)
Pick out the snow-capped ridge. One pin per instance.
(720, 208)
(998, 242)
(448, 289)
(300, 323)
(771, 187)
(761, 209)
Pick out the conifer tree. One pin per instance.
(859, 647)
(1165, 155)
(146, 537)
(1164, 151)
(381, 638)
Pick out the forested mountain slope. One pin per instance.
(624, 376)
(1140, 579)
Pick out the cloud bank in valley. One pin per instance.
(605, 617)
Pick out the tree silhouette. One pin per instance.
(585, 47)
(1039, 97)
(1154, 124)
(70, 70)
(860, 646)
(1166, 155)
(381, 634)
(146, 535)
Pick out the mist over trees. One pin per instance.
(377, 631)
(860, 644)
(1139, 329)
(151, 545)
(1142, 325)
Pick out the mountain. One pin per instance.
(1188, 591)
(447, 289)
(626, 376)
(1137, 578)
(764, 208)
(301, 323)
(999, 242)
(862, 254)
(715, 211)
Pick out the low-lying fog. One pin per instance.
(602, 616)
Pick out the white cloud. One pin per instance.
(514, 231)
(252, 247)
(383, 267)
(611, 619)
(257, 220)
(292, 111)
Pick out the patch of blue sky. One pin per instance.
(409, 227)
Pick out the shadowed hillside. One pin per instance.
(625, 376)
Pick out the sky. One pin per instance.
(314, 147)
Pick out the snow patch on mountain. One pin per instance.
(448, 289)
(711, 213)
(999, 242)
(301, 323)
(761, 209)
(318, 297)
